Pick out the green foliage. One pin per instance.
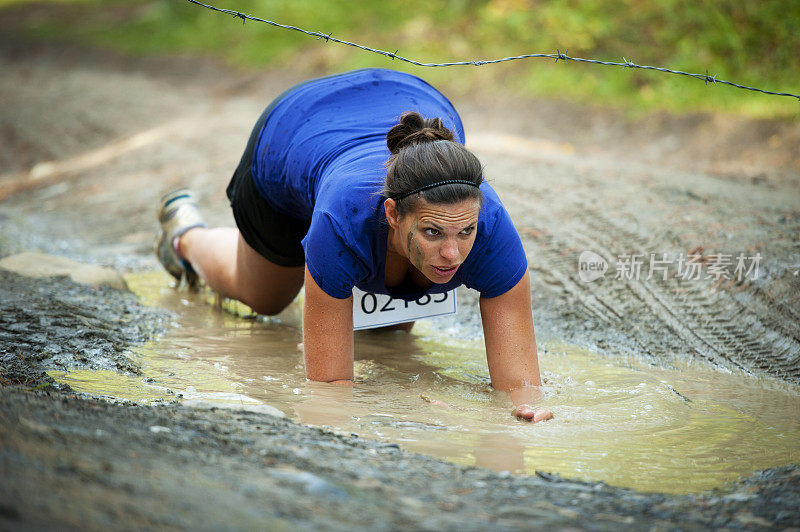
(753, 42)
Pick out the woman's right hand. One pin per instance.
(532, 414)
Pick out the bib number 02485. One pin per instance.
(379, 310)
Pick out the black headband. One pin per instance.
(434, 185)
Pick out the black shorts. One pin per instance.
(274, 235)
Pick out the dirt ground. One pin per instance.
(91, 139)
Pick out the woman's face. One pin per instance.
(436, 237)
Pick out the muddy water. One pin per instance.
(623, 422)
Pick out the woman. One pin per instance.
(325, 197)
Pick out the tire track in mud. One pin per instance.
(716, 325)
(733, 325)
(681, 306)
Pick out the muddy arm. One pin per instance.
(327, 335)
(511, 348)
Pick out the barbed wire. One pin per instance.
(559, 55)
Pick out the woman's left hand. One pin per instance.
(531, 414)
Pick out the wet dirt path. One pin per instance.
(183, 124)
(77, 462)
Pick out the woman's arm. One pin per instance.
(511, 348)
(327, 335)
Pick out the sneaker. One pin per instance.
(178, 212)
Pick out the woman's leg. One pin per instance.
(231, 267)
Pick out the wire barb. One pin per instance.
(559, 55)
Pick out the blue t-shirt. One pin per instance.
(320, 157)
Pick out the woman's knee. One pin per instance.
(265, 287)
(268, 306)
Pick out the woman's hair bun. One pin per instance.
(413, 129)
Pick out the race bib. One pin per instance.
(377, 310)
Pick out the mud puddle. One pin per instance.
(618, 421)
